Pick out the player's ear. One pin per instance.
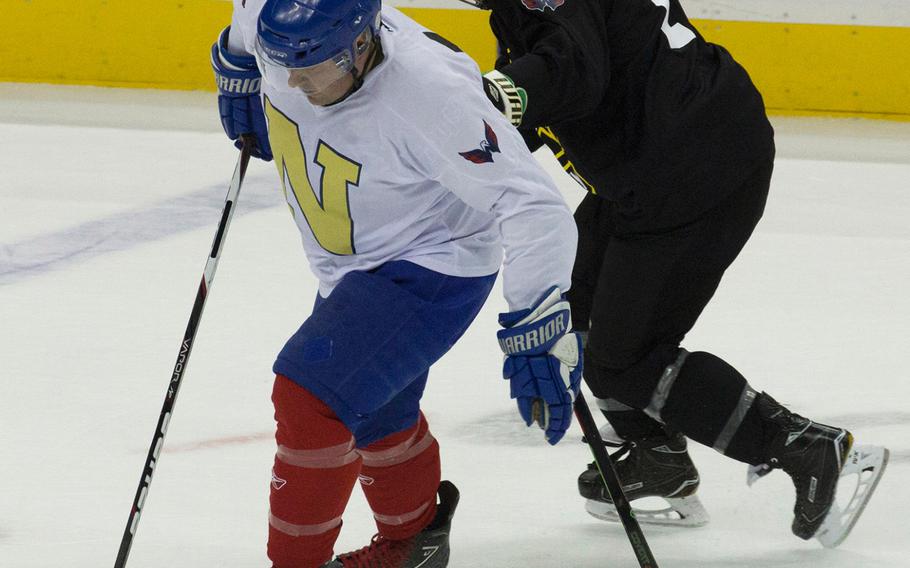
(363, 42)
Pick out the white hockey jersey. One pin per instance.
(416, 165)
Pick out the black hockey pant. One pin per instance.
(638, 295)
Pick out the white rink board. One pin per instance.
(895, 13)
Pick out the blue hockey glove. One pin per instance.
(543, 363)
(239, 105)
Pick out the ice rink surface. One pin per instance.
(108, 203)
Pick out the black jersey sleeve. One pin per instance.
(532, 140)
(560, 57)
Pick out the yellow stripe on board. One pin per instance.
(468, 29)
(123, 43)
(807, 67)
(802, 68)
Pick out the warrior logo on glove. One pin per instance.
(543, 363)
(534, 337)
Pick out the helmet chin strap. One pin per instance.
(375, 59)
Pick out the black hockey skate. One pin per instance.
(653, 467)
(816, 456)
(428, 549)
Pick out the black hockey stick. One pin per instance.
(183, 356)
(614, 488)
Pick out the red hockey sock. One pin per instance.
(314, 473)
(400, 476)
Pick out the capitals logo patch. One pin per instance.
(542, 5)
(488, 147)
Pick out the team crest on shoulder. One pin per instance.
(542, 5)
(484, 154)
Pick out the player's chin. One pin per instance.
(321, 99)
(332, 94)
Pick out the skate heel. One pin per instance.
(867, 464)
(427, 549)
(818, 458)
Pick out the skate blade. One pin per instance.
(868, 464)
(679, 512)
(756, 472)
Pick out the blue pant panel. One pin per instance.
(366, 349)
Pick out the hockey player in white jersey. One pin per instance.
(410, 191)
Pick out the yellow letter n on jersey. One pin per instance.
(329, 217)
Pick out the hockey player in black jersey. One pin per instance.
(670, 138)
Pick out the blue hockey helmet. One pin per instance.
(313, 42)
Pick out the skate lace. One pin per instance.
(624, 448)
(380, 553)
